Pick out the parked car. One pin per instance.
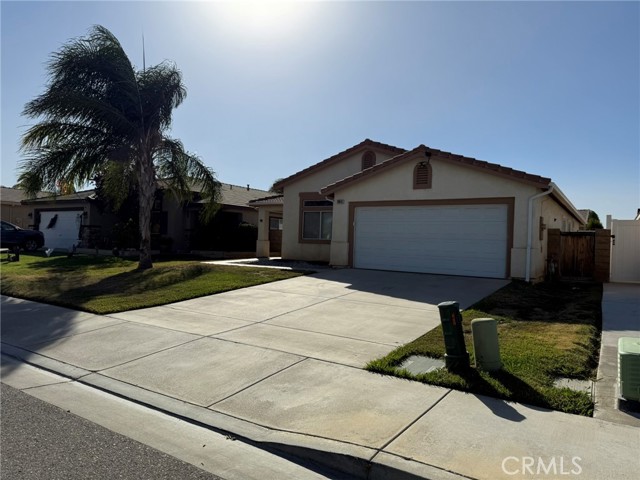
(11, 236)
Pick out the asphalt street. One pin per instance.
(40, 441)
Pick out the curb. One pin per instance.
(355, 461)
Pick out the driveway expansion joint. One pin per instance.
(410, 424)
(259, 381)
(151, 353)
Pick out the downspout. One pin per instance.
(530, 228)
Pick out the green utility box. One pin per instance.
(456, 356)
(629, 367)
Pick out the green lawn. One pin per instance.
(545, 331)
(110, 284)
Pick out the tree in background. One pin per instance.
(273, 188)
(99, 116)
(593, 221)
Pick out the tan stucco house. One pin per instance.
(376, 206)
(13, 210)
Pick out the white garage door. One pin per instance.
(61, 228)
(468, 240)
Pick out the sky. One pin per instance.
(551, 88)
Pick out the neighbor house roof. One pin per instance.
(16, 196)
(71, 197)
(271, 200)
(239, 196)
(364, 145)
(232, 195)
(585, 213)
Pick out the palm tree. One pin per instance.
(99, 116)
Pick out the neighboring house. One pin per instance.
(76, 219)
(584, 213)
(424, 210)
(13, 211)
(62, 217)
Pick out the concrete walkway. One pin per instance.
(620, 318)
(280, 365)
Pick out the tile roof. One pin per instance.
(422, 150)
(272, 200)
(367, 143)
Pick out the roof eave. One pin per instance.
(479, 165)
(371, 171)
(364, 145)
(562, 199)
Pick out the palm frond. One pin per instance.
(184, 173)
(161, 90)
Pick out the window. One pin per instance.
(317, 225)
(368, 159)
(275, 223)
(159, 222)
(422, 175)
(318, 203)
(316, 218)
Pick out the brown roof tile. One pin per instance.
(272, 200)
(367, 143)
(494, 168)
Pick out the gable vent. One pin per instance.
(368, 159)
(422, 175)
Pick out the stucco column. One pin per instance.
(262, 244)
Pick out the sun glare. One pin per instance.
(264, 20)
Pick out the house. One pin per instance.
(376, 206)
(13, 211)
(79, 219)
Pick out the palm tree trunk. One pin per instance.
(147, 185)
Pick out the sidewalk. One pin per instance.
(620, 318)
(309, 399)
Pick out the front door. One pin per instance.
(275, 236)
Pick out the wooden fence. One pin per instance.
(579, 255)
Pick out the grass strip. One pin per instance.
(110, 284)
(545, 331)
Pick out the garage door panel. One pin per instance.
(456, 240)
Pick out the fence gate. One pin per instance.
(577, 254)
(580, 255)
(625, 254)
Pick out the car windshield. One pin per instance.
(10, 226)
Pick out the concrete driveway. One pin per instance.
(341, 316)
(274, 364)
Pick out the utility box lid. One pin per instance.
(629, 346)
